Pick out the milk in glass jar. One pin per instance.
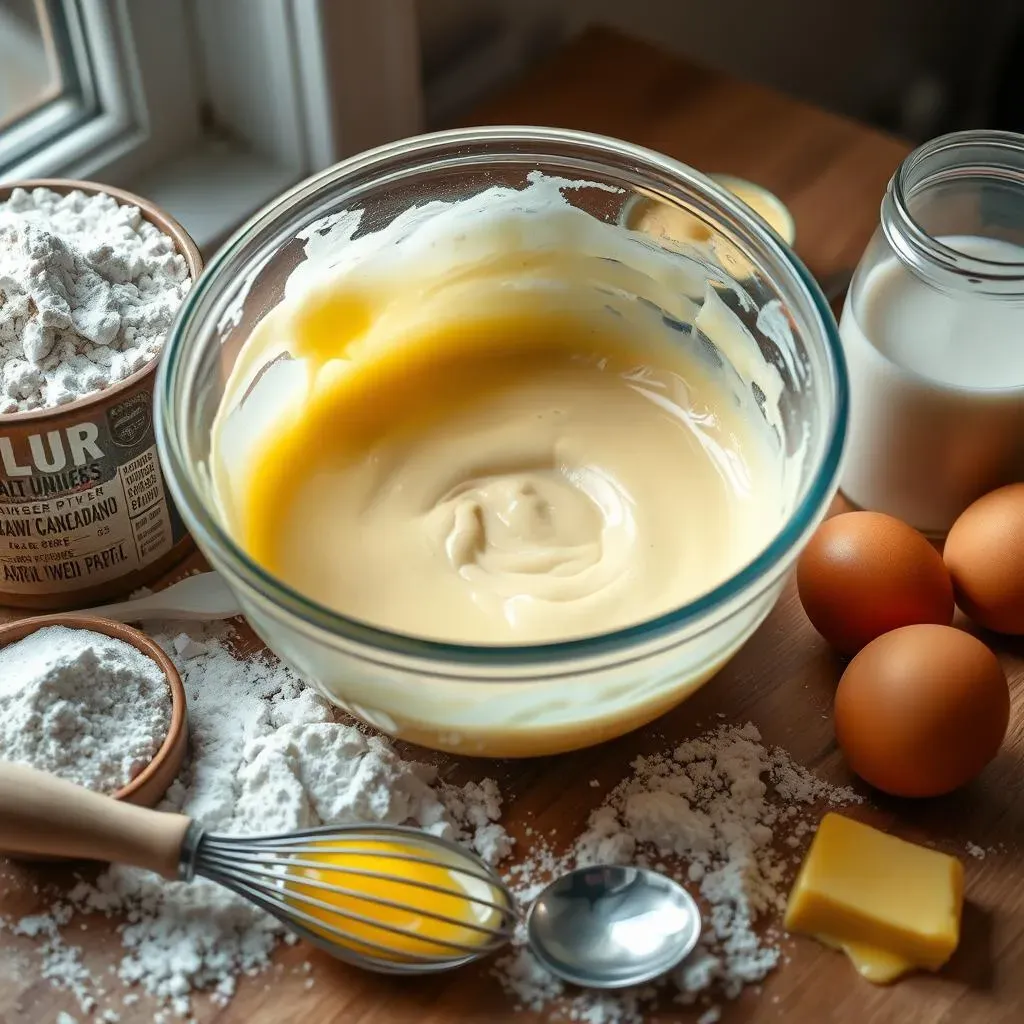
(933, 332)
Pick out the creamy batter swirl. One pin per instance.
(489, 439)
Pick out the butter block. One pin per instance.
(890, 905)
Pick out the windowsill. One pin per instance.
(213, 189)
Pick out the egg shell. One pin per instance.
(866, 573)
(984, 554)
(921, 710)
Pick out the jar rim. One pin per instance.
(930, 165)
(744, 586)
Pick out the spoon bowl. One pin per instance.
(612, 927)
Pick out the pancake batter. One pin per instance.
(484, 435)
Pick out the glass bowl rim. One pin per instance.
(751, 580)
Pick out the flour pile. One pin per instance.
(267, 754)
(723, 812)
(87, 707)
(88, 289)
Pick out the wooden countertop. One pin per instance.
(831, 172)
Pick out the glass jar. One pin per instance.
(933, 331)
(527, 699)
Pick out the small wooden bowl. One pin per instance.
(149, 786)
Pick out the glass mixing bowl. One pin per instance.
(522, 700)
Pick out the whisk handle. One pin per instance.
(50, 817)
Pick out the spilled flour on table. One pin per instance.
(723, 812)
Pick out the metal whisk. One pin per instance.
(270, 871)
(284, 874)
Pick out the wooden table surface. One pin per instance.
(831, 172)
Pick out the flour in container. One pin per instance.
(81, 705)
(88, 289)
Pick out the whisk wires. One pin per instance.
(393, 900)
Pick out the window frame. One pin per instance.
(212, 107)
(114, 131)
(57, 48)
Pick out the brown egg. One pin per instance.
(921, 710)
(984, 554)
(865, 573)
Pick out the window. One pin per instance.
(42, 94)
(209, 107)
(30, 68)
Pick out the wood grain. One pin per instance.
(832, 173)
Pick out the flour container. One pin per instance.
(84, 513)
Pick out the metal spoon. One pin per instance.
(612, 927)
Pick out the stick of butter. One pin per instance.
(890, 905)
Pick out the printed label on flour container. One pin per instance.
(82, 498)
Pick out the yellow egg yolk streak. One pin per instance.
(521, 474)
(403, 389)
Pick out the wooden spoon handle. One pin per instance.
(41, 814)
